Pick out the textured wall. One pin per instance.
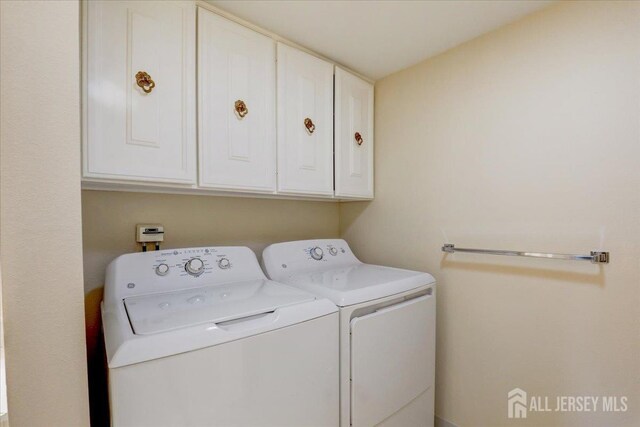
(526, 138)
(40, 223)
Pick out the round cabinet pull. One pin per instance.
(241, 108)
(143, 79)
(309, 125)
(358, 138)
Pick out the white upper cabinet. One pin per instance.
(305, 123)
(236, 106)
(353, 136)
(271, 119)
(140, 99)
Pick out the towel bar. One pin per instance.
(595, 257)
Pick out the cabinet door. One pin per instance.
(140, 133)
(354, 136)
(305, 123)
(236, 114)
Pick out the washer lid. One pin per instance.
(150, 314)
(359, 283)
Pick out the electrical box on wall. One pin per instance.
(146, 233)
(149, 233)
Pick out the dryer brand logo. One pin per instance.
(517, 403)
(519, 406)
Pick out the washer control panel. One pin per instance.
(166, 270)
(199, 263)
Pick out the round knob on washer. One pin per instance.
(333, 251)
(224, 263)
(316, 253)
(162, 269)
(194, 266)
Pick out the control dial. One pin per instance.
(316, 253)
(224, 263)
(333, 251)
(162, 269)
(194, 266)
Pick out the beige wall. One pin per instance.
(109, 220)
(525, 138)
(40, 223)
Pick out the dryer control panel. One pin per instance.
(173, 269)
(303, 256)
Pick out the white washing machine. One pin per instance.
(199, 337)
(387, 329)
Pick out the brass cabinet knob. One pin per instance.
(143, 79)
(241, 108)
(309, 125)
(358, 138)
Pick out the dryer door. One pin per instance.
(392, 359)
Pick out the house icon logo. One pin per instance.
(517, 403)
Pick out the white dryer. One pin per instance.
(199, 337)
(387, 329)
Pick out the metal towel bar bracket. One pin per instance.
(595, 257)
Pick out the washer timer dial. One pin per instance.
(316, 253)
(194, 266)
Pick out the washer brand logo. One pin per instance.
(517, 403)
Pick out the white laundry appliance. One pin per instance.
(199, 337)
(387, 329)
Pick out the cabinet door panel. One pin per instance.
(392, 359)
(235, 64)
(354, 136)
(131, 134)
(305, 91)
